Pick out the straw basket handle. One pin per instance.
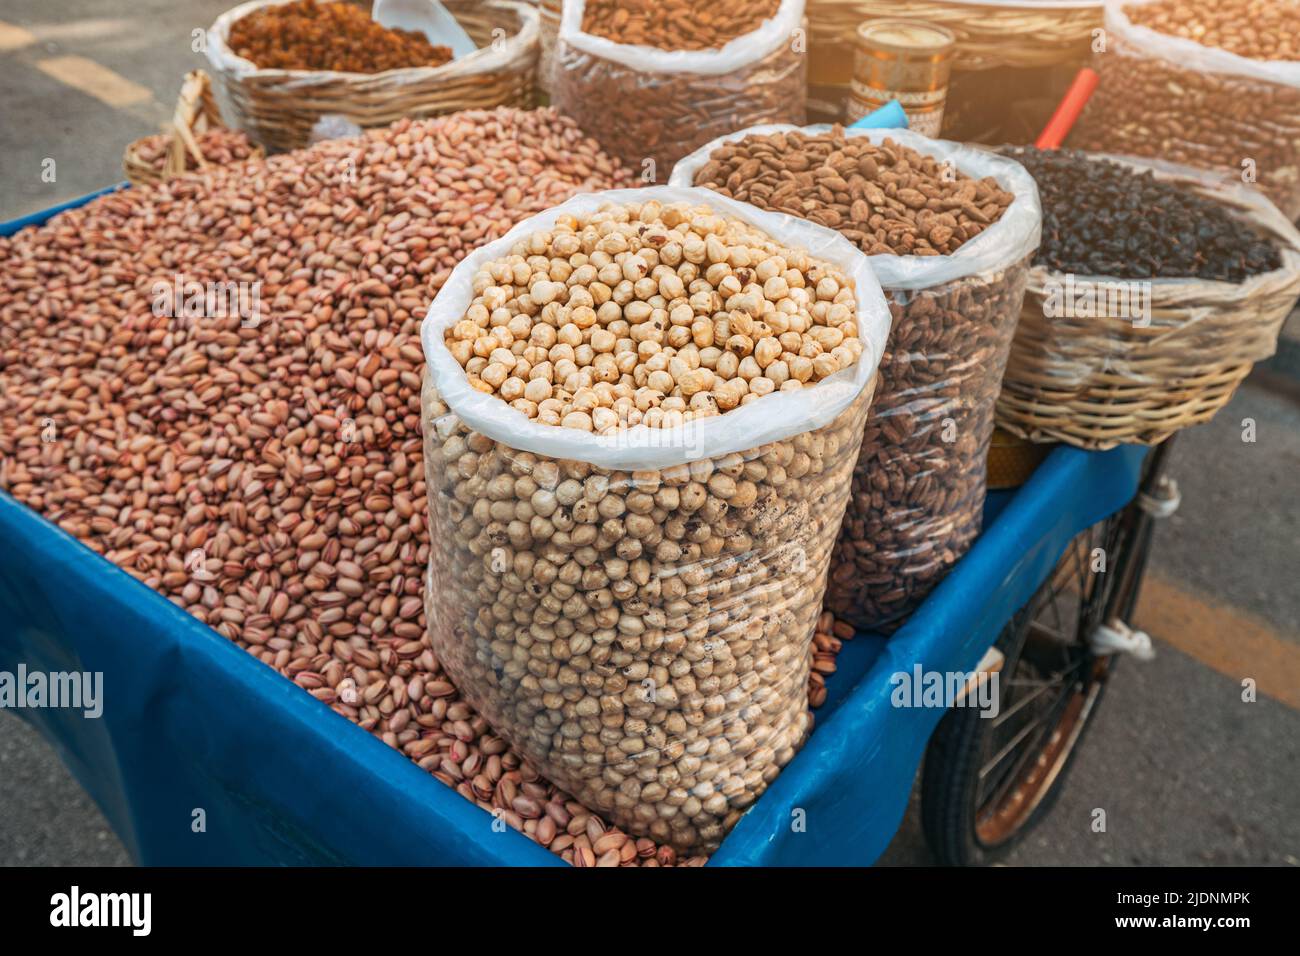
(196, 113)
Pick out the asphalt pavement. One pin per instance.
(1187, 772)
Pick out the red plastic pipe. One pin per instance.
(1072, 104)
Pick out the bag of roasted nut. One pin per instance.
(651, 80)
(950, 231)
(1208, 83)
(637, 466)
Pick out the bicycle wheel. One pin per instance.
(988, 780)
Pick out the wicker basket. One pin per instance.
(279, 107)
(196, 113)
(1037, 47)
(1097, 382)
(989, 36)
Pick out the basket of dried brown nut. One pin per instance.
(287, 63)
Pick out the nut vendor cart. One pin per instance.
(187, 731)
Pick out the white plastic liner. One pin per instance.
(774, 417)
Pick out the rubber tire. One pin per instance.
(951, 769)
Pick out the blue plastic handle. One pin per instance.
(889, 116)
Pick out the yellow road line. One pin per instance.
(1233, 642)
(94, 80)
(14, 38)
(92, 28)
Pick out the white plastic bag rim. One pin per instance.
(772, 418)
(484, 59)
(740, 52)
(1012, 238)
(1190, 55)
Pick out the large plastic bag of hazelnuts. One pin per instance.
(1173, 98)
(631, 603)
(918, 489)
(652, 80)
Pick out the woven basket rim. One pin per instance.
(137, 170)
(976, 17)
(526, 36)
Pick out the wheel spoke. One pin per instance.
(1020, 704)
(1024, 745)
(998, 786)
(1057, 636)
(1001, 755)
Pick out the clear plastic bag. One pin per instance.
(918, 489)
(1170, 98)
(634, 613)
(650, 107)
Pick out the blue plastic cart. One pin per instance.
(192, 723)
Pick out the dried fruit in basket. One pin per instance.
(1159, 287)
(307, 35)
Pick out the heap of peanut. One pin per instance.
(645, 638)
(219, 146)
(652, 315)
